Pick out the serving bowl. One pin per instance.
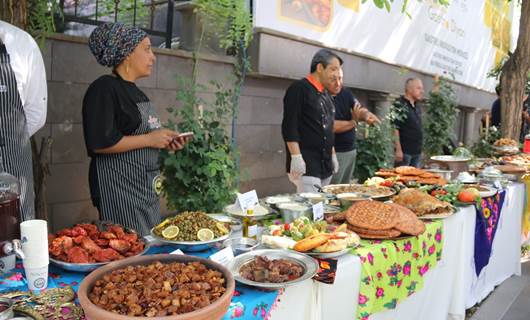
(292, 210)
(309, 264)
(313, 197)
(214, 311)
(192, 246)
(241, 245)
(348, 198)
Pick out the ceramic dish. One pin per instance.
(87, 267)
(436, 216)
(309, 264)
(213, 311)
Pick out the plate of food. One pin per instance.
(380, 193)
(272, 269)
(313, 238)
(191, 231)
(87, 246)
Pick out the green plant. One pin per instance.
(124, 11)
(440, 118)
(483, 147)
(203, 175)
(374, 149)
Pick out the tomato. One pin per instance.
(386, 183)
(286, 226)
(466, 196)
(438, 192)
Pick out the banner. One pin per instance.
(464, 40)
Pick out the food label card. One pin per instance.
(318, 211)
(178, 251)
(223, 256)
(247, 200)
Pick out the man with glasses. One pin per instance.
(307, 126)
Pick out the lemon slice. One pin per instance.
(205, 234)
(221, 227)
(170, 232)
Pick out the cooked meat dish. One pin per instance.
(262, 269)
(85, 243)
(158, 289)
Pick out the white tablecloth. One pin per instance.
(448, 289)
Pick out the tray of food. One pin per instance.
(272, 269)
(192, 231)
(86, 246)
(506, 146)
(374, 192)
(317, 239)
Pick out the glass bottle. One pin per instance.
(250, 225)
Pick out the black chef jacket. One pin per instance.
(308, 115)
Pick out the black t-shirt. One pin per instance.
(410, 129)
(308, 116)
(344, 101)
(110, 112)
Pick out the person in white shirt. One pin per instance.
(23, 103)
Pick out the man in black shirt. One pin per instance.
(348, 112)
(408, 129)
(307, 126)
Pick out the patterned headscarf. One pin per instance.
(111, 43)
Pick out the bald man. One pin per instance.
(408, 128)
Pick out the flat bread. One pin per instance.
(409, 171)
(372, 215)
(375, 234)
(408, 222)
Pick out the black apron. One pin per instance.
(129, 182)
(15, 147)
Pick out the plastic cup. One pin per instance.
(37, 278)
(34, 239)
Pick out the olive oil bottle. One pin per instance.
(250, 225)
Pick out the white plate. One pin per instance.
(260, 211)
(436, 216)
(326, 255)
(450, 158)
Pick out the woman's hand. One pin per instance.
(178, 143)
(161, 138)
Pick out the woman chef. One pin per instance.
(122, 131)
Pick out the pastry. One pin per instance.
(372, 215)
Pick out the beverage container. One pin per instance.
(250, 225)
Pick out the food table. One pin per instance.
(448, 288)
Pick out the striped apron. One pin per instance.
(129, 182)
(15, 147)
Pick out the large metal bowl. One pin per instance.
(87, 267)
(309, 264)
(192, 246)
(293, 210)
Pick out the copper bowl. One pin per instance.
(214, 311)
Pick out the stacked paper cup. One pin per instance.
(34, 238)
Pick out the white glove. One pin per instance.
(297, 165)
(335, 162)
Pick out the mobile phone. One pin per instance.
(185, 134)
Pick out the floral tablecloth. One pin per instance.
(247, 302)
(392, 270)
